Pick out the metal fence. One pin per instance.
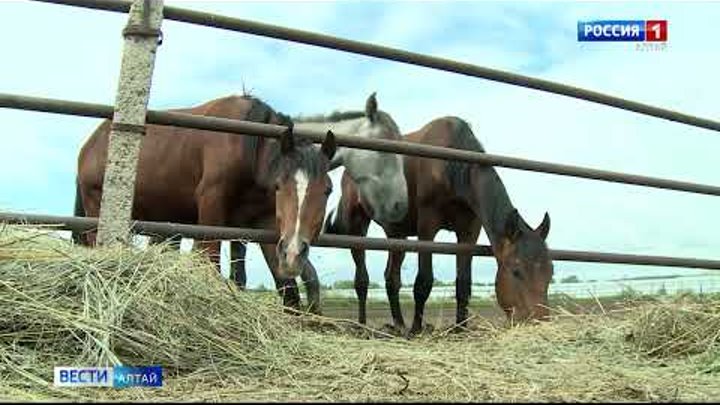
(257, 129)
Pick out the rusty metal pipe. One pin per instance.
(342, 241)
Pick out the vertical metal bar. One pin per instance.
(142, 35)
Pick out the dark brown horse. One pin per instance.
(459, 197)
(210, 178)
(380, 176)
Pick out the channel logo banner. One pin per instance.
(137, 376)
(83, 376)
(623, 31)
(116, 377)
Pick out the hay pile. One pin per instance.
(685, 326)
(64, 305)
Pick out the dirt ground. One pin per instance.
(437, 315)
(441, 313)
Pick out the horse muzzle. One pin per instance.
(292, 259)
(397, 211)
(539, 312)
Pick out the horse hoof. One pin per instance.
(292, 311)
(413, 332)
(418, 330)
(459, 329)
(394, 330)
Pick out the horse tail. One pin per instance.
(462, 137)
(79, 211)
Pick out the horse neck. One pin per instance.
(489, 199)
(265, 152)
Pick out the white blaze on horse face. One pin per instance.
(301, 185)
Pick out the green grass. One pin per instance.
(350, 285)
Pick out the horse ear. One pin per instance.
(512, 225)
(371, 107)
(287, 140)
(544, 228)
(329, 146)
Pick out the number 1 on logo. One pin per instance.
(656, 30)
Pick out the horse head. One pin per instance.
(379, 176)
(302, 188)
(524, 269)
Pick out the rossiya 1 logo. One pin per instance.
(646, 34)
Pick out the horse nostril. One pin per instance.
(304, 249)
(399, 207)
(281, 247)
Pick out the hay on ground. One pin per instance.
(73, 306)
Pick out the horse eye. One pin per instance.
(517, 274)
(328, 191)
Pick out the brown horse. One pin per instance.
(380, 176)
(211, 178)
(459, 197)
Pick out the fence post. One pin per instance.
(142, 36)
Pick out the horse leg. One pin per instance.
(312, 286)
(287, 288)
(212, 250)
(358, 225)
(427, 228)
(173, 241)
(212, 211)
(91, 203)
(238, 250)
(466, 232)
(362, 281)
(392, 287)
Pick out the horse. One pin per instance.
(459, 197)
(212, 178)
(379, 175)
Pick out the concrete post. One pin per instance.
(142, 36)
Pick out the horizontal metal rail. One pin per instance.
(385, 145)
(383, 52)
(342, 241)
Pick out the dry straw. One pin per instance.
(65, 305)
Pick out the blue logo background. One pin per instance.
(150, 376)
(601, 30)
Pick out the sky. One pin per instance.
(72, 53)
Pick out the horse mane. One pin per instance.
(459, 174)
(335, 116)
(305, 156)
(462, 137)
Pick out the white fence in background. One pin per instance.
(697, 284)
